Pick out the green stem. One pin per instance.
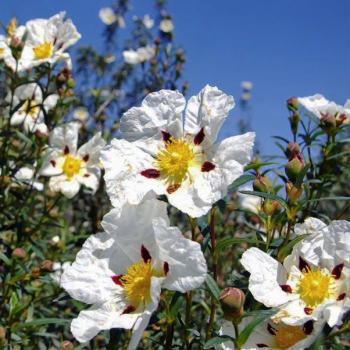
(288, 233)
(344, 329)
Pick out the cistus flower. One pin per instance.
(161, 156)
(276, 336)
(81, 114)
(122, 270)
(47, 39)
(141, 55)
(147, 21)
(29, 98)
(166, 25)
(109, 17)
(313, 282)
(68, 167)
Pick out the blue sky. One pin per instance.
(284, 47)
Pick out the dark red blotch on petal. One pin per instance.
(86, 175)
(286, 288)
(150, 173)
(341, 297)
(208, 166)
(86, 158)
(116, 279)
(198, 139)
(271, 330)
(128, 310)
(173, 188)
(53, 163)
(308, 310)
(166, 136)
(303, 265)
(336, 272)
(165, 268)
(308, 327)
(66, 150)
(260, 345)
(146, 256)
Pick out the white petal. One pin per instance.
(31, 91)
(18, 117)
(310, 226)
(267, 275)
(159, 111)
(131, 57)
(209, 109)
(66, 135)
(50, 102)
(91, 178)
(52, 163)
(187, 266)
(67, 188)
(93, 149)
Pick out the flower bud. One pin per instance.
(270, 206)
(292, 147)
(35, 272)
(294, 166)
(294, 121)
(46, 266)
(178, 54)
(61, 79)
(12, 27)
(157, 41)
(342, 119)
(165, 65)
(42, 134)
(70, 83)
(293, 103)
(2, 333)
(19, 254)
(328, 121)
(54, 240)
(16, 43)
(262, 184)
(293, 192)
(232, 303)
(66, 345)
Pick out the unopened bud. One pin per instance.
(157, 41)
(115, 127)
(165, 65)
(262, 184)
(232, 303)
(16, 43)
(293, 192)
(153, 61)
(12, 27)
(46, 265)
(35, 272)
(103, 118)
(54, 240)
(342, 119)
(270, 206)
(293, 103)
(328, 121)
(66, 345)
(294, 166)
(183, 59)
(178, 54)
(19, 254)
(61, 79)
(70, 83)
(2, 333)
(42, 134)
(294, 122)
(291, 148)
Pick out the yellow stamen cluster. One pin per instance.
(137, 283)
(29, 108)
(174, 160)
(43, 51)
(315, 286)
(287, 336)
(1, 51)
(71, 167)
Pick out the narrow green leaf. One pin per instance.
(301, 175)
(40, 322)
(24, 137)
(217, 340)
(81, 346)
(213, 287)
(229, 241)
(243, 179)
(267, 195)
(5, 259)
(62, 298)
(176, 303)
(285, 251)
(333, 198)
(257, 165)
(221, 204)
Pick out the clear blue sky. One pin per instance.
(284, 47)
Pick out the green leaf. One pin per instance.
(213, 287)
(68, 100)
(229, 241)
(5, 259)
(81, 346)
(176, 303)
(221, 204)
(285, 251)
(217, 340)
(24, 137)
(267, 195)
(264, 315)
(13, 302)
(301, 175)
(40, 322)
(243, 179)
(333, 198)
(257, 165)
(62, 298)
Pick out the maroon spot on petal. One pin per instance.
(146, 256)
(208, 166)
(260, 345)
(128, 310)
(341, 297)
(336, 272)
(150, 173)
(172, 188)
(60, 46)
(308, 327)
(53, 163)
(116, 279)
(66, 150)
(86, 158)
(308, 310)
(271, 330)
(303, 265)
(286, 288)
(86, 175)
(166, 137)
(198, 139)
(166, 268)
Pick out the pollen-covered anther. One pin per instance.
(43, 50)
(286, 336)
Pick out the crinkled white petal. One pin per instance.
(67, 188)
(18, 118)
(50, 102)
(92, 148)
(52, 163)
(66, 135)
(91, 178)
(311, 105)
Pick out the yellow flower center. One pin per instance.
(71, 167)
(315, 286)
(174, 160)
(29, 108)
(43, 51)
(137, 283)
(1, 51)
(287, 336)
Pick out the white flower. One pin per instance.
(166, 25)
(314, 281)
(147, 21)
(270, 335)
(31, 112)
(26, 176)
(55, 240)
(58, 268)
(47, 40)
(121, 271)
(160, 156)
(108, 16)
(109, 58)
(249, 202)
(246, 85)
(317, 105)
(68, 167)
(141, 55)
(81, 114)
